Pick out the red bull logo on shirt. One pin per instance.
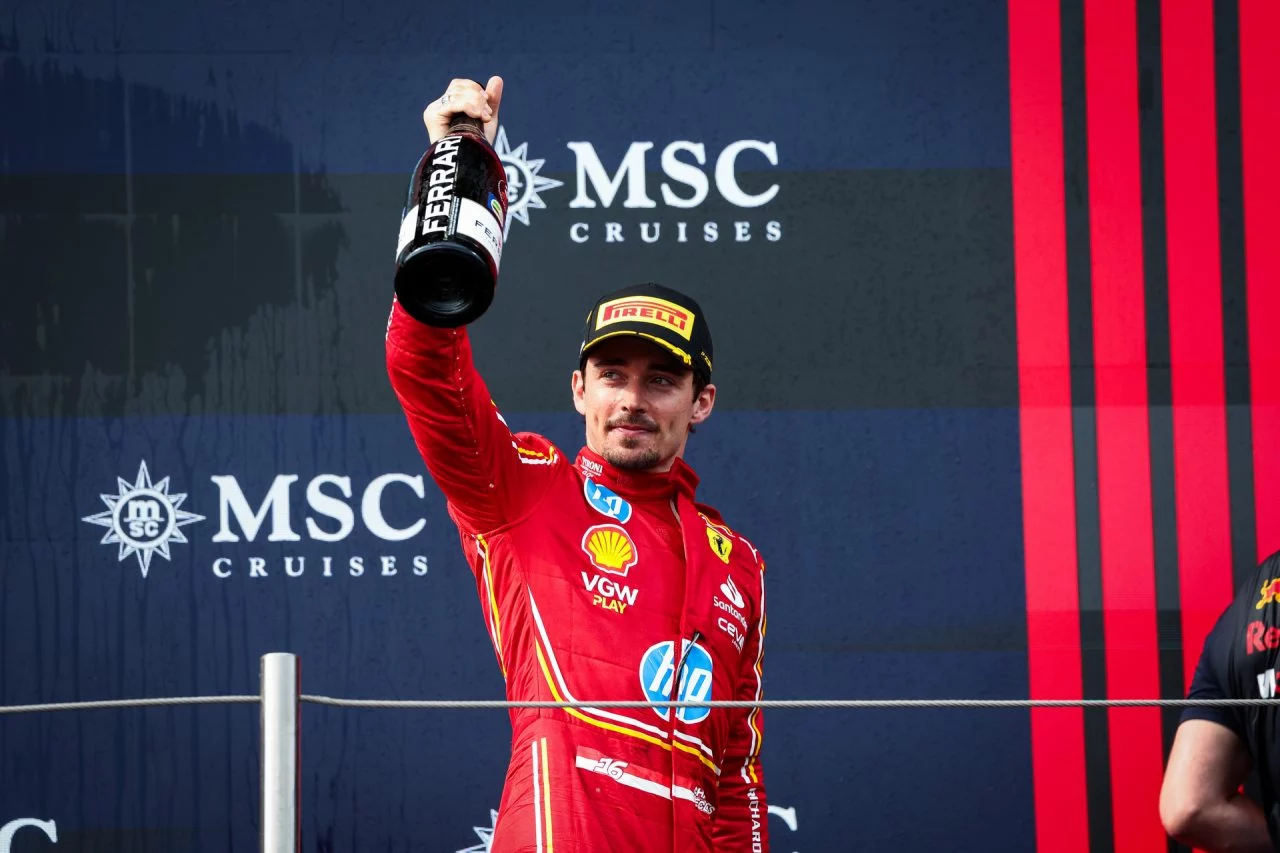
(1270, 593)
(1261, 638)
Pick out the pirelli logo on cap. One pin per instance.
(646, 309)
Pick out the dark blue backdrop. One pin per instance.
(198, 206)
(889, 584)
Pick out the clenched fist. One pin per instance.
(465, 96)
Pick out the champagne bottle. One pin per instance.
(451, 232)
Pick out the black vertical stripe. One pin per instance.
(1164, 515)
(1235, 323)
(1080, 311)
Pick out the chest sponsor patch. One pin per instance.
(735, 633)
(609, 595)
(610, 549)
(605, 501)
(658, 672)
(1269, 594)
(731, 592)
(722, 545)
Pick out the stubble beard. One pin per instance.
(626, 457)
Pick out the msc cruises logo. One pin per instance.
(524, 183)
(630, 201)
(143, 518)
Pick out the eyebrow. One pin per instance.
(665, 366)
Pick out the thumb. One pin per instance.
(493, 94)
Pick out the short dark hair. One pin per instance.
(700, 381)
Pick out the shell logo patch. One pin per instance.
(610, 548)
(722, 545)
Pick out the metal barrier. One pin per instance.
(280, 698)
(281, 743)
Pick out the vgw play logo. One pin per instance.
(145, 518)
(666, 209)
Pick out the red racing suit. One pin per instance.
(597, 584)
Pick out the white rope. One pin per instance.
(127, 703)
(498, 704)
(443, 704)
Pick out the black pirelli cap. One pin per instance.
(665, 316)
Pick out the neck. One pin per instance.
(655, 480)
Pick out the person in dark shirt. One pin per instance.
(1216, 748)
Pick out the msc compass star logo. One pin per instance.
(485, 833)
(143, 518)
(523, 181)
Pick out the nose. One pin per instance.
(631, 397)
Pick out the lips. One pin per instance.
(627, 429)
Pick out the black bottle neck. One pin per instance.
(463, 123)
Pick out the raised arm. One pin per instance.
(489, 476)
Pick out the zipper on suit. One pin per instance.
(677, 678)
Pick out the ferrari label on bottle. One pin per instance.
(440, 187)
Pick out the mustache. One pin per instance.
(641, 422)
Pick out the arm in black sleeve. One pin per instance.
(1212, 675)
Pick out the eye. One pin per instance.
(664, 380)
(609, 374)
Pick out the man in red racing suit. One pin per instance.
(601, 578)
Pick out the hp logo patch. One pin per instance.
(657, 669)
(605, 502)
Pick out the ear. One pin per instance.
(578, 385)
(703, 405)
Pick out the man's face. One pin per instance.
(639, 403)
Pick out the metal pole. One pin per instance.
(280, 740)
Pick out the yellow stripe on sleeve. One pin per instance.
(493, 604)
(574, 712)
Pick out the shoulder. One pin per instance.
(716, 524)
(530, 445)
(1243, 646)
(535, 449)
(1260, 595)
(1268, 568)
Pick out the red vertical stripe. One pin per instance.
(1044, 378)
(1260, 133)
(1196, 354)
(1124, 457)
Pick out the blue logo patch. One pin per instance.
(657, 668)
(605, 502)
